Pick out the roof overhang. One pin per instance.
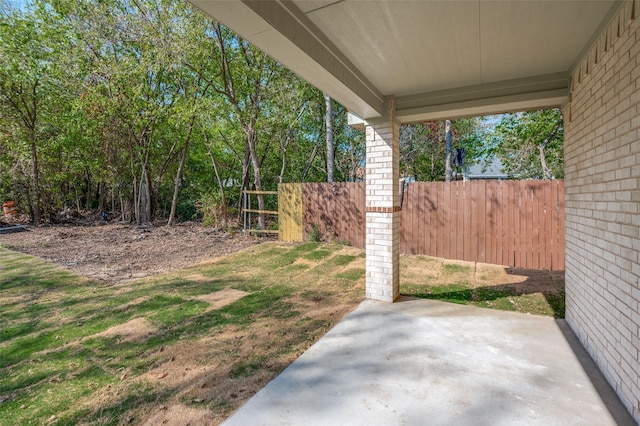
(282, 31)
(437, 59)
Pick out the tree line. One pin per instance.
(149, 109)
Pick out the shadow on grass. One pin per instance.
(54, 355)
(541, 293)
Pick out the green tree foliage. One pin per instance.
(423, 149)
(529, 144)
(36, 107)
(145, 107)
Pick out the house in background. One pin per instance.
(490, 171)
(394, 62)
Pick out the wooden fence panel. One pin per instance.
(514, 223)
(524, 225)
(535, 225)
(309, 209)
(290, 211)
(490, 223)
(342, 210)
(406, 223)
(441, 212)
(444, 233)
(547, 226)
(559, 200)
(482, 223)
(458, 229)
(336, 209)
(507, 232)
(474, 229)
(356, 215)
(528, 209)
(421, 218)
(466, 189)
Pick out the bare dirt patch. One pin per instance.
(115, 252)
(180, 415)
(222, 298)
(137, 330)
(320, 309)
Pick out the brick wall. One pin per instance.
(382, 239)
(602, 183)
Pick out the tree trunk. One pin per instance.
(219, 179)
(328, 117)
(122, 215)
(246, 163)
(148, 209)
(36, 181)
(257, 181)
(449, 142)
(543, 161)
(178, 180)
(546, 172)
(144, 200)
(101, 196)
(310, 162)
(136, 201)
(78, 206)
(141, 217)
(284, 165)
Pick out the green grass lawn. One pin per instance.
(77, 351)
(483, 285)
(59, 364)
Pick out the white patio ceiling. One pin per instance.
(437, 59)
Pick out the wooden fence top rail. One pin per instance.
(261, 192)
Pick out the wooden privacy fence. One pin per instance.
(514, 223)
(335, 210)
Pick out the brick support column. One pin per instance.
(383, 208)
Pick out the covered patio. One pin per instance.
(425, 362)
(394, 62)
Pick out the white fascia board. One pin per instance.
(283, 32)
(538, 92)
(497, 105)
(486, 91)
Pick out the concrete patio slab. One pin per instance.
(422, 362)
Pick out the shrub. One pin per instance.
(314, 235)
(211, 208)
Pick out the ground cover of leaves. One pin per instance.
(116, 252)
